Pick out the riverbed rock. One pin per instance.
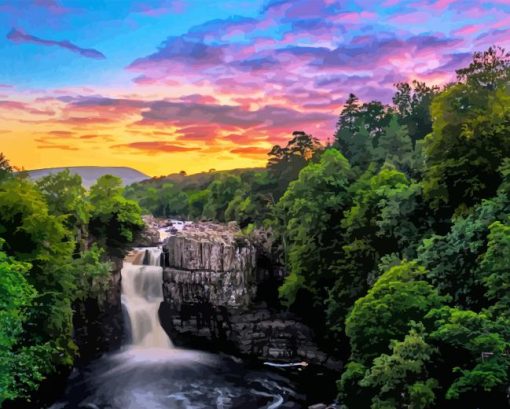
(220, 291)
(149, 236)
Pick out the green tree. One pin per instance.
(285, 163)
(412, 105)
(395, 147)
(351, 393)
(348, 118)
(453, 259)
(474, 355)
(495, 266)
(222, 191)
(387, 219)
(171, 201)
(240, 208)
(6, 169)
(356, 145)
(114, 220)
(470, 136)
(400, 379)
(19, 369)
(197, 202)
(400, 297)
(375, 117)
(387, 212)
(34, 236)
(309, 213)
(359, 128)
(146, 196)
(65, 196)
(92, 274)
(488, 70)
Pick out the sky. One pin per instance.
(170, 85)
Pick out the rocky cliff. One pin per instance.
(98, 323)
(220, 291)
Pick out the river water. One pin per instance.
(149, 373)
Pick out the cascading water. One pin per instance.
(142, 294)
(150, 374)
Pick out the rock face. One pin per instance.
(220, 291)
(206, 264)
(98, 324)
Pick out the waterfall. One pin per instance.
(154, 255)
(142, 293)
(151, 374)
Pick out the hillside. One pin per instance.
(195, 181)
(90, 174)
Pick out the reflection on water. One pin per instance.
(155, 378)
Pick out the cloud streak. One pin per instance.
(155, 147)
(18, 36)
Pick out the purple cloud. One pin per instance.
(52, 6)
(188, 52)
(222, 27)
(18, 36)
(156, 8)
(268, 117)
(257, 64)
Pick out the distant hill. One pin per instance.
(90, 174)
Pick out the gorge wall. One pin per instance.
(220, 291)
(98, 322)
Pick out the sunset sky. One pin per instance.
(170, 85)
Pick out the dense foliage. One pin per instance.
(52, 255)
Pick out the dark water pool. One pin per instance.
(151, 378)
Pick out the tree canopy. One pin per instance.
(51, 256)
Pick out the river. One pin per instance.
(149, 373)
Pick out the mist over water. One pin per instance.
(149, 373)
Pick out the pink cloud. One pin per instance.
(21, 106)
(157, 8)
(155, 147)
(410, 18)
(468, 30)
(443, 4)
(353, 17)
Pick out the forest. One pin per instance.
(395, 236)
(57, 243)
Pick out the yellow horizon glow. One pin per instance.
(23, 153)
(35, 140)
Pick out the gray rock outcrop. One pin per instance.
(220, 289)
